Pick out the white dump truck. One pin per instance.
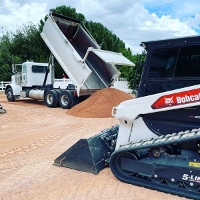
(89, 68)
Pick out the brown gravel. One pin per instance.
(32, 136)
(100, 104)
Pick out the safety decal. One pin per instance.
(194, 164)
(190, 96)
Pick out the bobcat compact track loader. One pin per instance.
(157, 142)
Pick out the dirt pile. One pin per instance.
(99, 104)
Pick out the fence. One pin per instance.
(120, 84)
(62, 83)
(3, 85)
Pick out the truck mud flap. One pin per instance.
(90, 155)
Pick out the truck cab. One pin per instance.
(27, 77)
(29, 74)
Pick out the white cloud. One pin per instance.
(167, 23)
(194, 21)
(132, 21)
(16, 15)
(137, 24)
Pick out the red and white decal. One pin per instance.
(175, 99)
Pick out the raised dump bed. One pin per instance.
(89, 68)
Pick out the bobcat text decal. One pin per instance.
(175, 99)
(190, 177)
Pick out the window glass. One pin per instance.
(23, 68)
(38, 69)
(162, 63)
(189, 62)
(173, 68)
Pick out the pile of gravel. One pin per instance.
(99, 104)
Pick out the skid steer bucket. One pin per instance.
(90, 155)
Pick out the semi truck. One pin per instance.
(89, 68)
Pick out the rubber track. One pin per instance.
(168, 139)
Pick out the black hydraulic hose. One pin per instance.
(47, 71)
(46, 75)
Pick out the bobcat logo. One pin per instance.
(169, 101)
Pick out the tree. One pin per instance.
(5, 58)
(19, 46)
(105, 38)
(69, 11)
(26, 44)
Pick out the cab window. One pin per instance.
(23, 68)
(38, 69)
(173, 68)
(188, 64)
(162, 64)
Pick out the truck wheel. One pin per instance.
(51, 98)
(65, 99)
(59, 93)
(9, 95)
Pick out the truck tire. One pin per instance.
(65, 99)
(59, 93)
(51, 98)
(9, 95)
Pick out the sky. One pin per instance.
(133, 21)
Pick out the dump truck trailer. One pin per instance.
(89, 68)
(156, 143)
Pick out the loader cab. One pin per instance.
(170, 64)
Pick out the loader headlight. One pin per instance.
(114, 111)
